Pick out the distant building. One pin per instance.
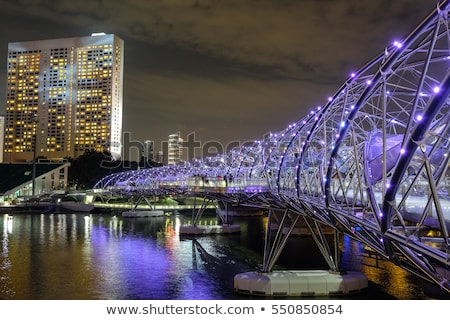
(160, 157)
(148, 155)
(64, 97)
(175, 149)
(148, 152)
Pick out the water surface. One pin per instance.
(100, 256)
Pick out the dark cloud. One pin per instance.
(225, 69)
(270, 33)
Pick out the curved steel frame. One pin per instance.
(372, 162)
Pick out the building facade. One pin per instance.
(175, 149)
(64, 97)
(2, 136)
(16, 179)
(160, 157)
(148, 151)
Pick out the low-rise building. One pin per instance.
(17, 180)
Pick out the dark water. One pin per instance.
(99, 256)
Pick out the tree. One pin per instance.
(88, 168)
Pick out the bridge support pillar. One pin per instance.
(196, 229)
(305, 283)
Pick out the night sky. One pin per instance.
(224, 70)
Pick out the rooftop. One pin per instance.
(14, 175)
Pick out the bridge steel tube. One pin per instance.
(371, 163)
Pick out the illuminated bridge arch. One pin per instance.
(372, 162)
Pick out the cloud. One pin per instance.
(298, 39)
(230, 107)
(225, 69)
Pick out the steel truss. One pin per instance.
(372, 163)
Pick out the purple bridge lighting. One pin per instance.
(372, 163)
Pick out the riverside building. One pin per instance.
(64, 97)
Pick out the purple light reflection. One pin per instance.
(144, 267)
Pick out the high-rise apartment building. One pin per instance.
(160, 157)
(2, 136)
(64, 97)
(175, 148)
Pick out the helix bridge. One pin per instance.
(372, 163)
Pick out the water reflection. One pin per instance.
(78, 256)
(393, 281)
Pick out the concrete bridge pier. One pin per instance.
(196, 229)
(269, 282)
